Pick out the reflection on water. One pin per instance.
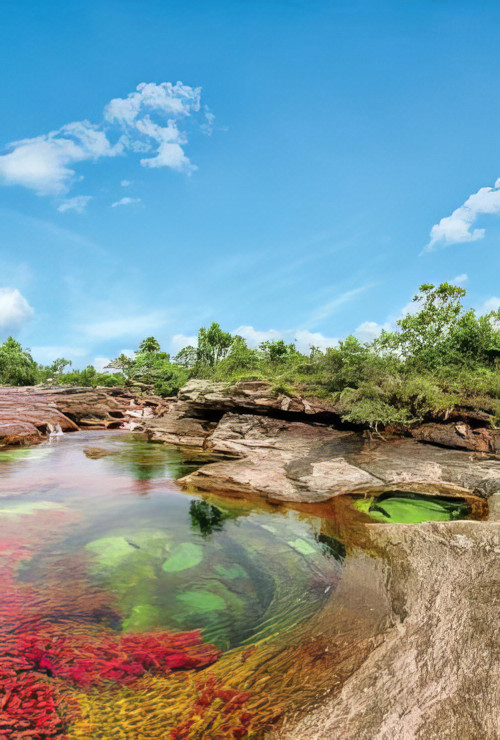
(108, 568)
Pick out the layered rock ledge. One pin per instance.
(28, 414)
(292, 449)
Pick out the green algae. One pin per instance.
(184, 556)
(412, 508)
(201, 600)
(142, 618)
(110, 551)
(302, 546)
(233, 572)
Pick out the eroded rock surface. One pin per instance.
(436, 674)
(27, 414)
(293, 454)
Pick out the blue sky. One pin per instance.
(319, 161)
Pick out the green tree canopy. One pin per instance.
(17, 366)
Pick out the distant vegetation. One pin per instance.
(440, 357)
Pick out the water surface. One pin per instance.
(134, 609)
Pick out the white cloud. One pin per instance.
(46, 163)
(173, 100)
(100, 363)
(492, 304)
(303, 338)
(125, 202)
(129, 326)
(43, 163)
(329, 308)
(15, 310)
(254, 337)
(125, 183)
(46, 354)
(370, 330)
(457, 228)
(460, 279)
(179, 341)
(78, 204)
(306, 339)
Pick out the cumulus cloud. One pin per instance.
(44, 163)
(125, 202)
(78, 204)
(254, 337)
(492, 304)
(15, 311)
(149, 120)
(370, 330)
(458, 228)
(306, 339)
(100, 363)
(179, 341)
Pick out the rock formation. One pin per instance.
(289, 449)
(27, 414)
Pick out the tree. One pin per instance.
(17, 367)
(213, 345)
(187, 357)
(276, 350)
(421, 334)
(123, 364)
(149, 345)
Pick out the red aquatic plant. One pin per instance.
(218, 705)
(44, 647)
(92, 659)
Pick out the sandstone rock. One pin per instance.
(459, 435)
(436, 673)
(253, 396)
(27, 413)
(293, 461)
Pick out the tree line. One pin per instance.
(440, 356)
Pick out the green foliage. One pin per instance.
(439, 357)
(17, 366)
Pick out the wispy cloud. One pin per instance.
(78, 204)
(458, 228)
(492, 304)
(330, 307)
(15, 311)
(125, 202)
(45, 354)
(134, 325)
(125, 183)
(147, 121)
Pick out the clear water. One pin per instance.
(170, 560)
(107, 567)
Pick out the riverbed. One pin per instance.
(132, 608)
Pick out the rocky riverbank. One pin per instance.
(433, 675)
(28, 414)
(295, 450)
